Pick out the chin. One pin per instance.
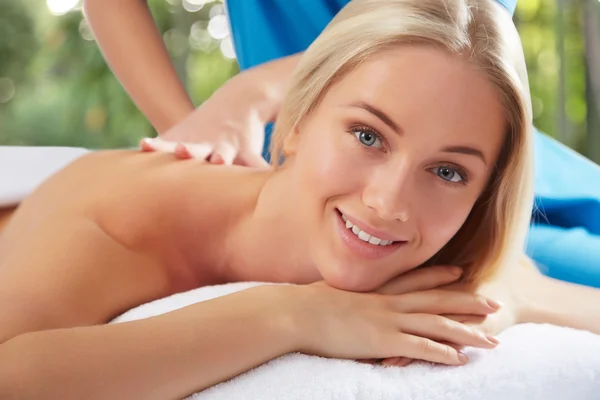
(350, 278)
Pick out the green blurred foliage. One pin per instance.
(19, 43)
(66, 95)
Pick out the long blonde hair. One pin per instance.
(480, 31)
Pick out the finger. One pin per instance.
(421, 279)
(223, 153)
(251, 159)
(145, 145)
(471, 320)
(457, 347)
(444, 302)
(199, 151)
(182, 152)
(443, 329)
(420, 348)
(403, 362)
(397, 362)
(158, 144)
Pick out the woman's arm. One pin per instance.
(552, 301)
(531, 297)
(164, 357)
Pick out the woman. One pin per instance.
(383, 173)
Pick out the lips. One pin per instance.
(364, 241)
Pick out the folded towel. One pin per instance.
(532, 362)
(22, 169)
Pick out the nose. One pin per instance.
(388, 195)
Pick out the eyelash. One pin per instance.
(460, 171)
(367, 129)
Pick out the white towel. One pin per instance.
(22, 169)
(532, 362)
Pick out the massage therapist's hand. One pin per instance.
(227, 129)
(341, 324)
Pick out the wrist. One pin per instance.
(171, 116)
(283, 314)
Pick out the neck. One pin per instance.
(270, 245)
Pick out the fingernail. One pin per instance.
(456, 271)
(493, 339)
(494, 305)
(462, 357)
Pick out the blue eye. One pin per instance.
(449, 174)
(367, 137)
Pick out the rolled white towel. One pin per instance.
(533, 362)
(23, 168)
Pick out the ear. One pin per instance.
(291, 142)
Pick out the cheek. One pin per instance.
(440, 220)
(326, 163)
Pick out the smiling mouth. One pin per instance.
(364, 236)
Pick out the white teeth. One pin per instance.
(375, 240)
(364, 236)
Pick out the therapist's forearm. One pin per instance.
(132, 46)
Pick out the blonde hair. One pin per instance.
(480, 31)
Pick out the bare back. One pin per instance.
(114, 230)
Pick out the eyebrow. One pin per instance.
(379, 114)
(465, 150)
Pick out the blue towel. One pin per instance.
(564, 238)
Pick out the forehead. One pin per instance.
(427, 91)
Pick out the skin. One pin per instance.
(148, 226)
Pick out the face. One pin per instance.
(387, 168)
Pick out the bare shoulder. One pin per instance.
(151, 203)
(145, 197)
(114, 230)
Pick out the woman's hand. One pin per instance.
(336, 323)
(227, 129)
(512, 287)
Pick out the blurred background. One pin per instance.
(55, 88)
